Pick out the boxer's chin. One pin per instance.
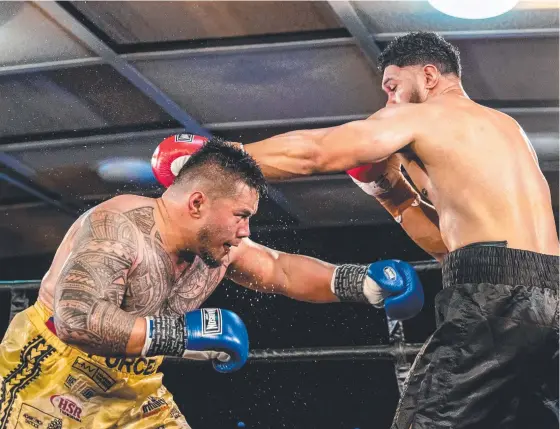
(209, 259)
(211, 256)
(415, 97)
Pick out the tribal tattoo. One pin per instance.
(118, 271)
(93, 282)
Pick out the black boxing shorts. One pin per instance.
(492, 362)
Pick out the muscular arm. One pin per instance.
(306, 152)
(421, 223)
(393, 191)
(92, 285)
(296, 276)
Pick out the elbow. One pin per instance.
(66, 329)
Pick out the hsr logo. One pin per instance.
(68, 406)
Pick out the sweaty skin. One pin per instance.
(128, 258)
(111, 270)
(481, 172)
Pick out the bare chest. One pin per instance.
(159, 287)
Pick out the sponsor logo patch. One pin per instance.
(68, 406)
(96, 374)
(32, 421)
(80, 387)
(138, 366)
(31, 417)
(175, 413)
(211, 321)
(153, 405)
(390, 273)
(187, 138)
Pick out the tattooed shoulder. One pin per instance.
(92, 284)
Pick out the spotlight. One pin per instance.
(473, 9)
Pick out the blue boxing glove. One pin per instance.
(205, 334)
(212, 329)
(391, 284)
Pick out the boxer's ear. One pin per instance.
(196, 202)
(431, 76)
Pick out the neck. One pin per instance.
(449, 87)
(176, 240)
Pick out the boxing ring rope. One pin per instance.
(397, 350)
(314, 354)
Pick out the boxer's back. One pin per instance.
(156, 284)
(487, 185)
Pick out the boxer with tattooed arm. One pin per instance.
(125, 289)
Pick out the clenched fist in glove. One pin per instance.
(391, 284)
(210, 334)
(173, 152)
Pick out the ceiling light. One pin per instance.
(126, 170)
(473, 9)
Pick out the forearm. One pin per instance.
(421, 225)
(418, 219)
(287, 155)
(295, 276)
(340, 148)
(322, 151)
(307, 279)
(102, 329)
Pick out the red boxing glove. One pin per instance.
(378, 178)
(363, 173)
(172, 153)
(385, 182)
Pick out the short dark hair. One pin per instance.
(421, 48)
(223, 165)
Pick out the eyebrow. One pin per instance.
(245, 212)
(386, 81)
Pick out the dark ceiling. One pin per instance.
(87, 82)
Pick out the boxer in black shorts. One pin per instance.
(493, 360)
(483, 208)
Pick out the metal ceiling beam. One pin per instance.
(179, 54)
(23, 177)
(82, 33)
(104, 139)
(50, 65)
(529, 33)
(240, 49)
(291, 122)
(39, 193)
(350, 19)
(533, 33)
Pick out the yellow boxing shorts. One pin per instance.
(46, 384)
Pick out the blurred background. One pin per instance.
(88, 90)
